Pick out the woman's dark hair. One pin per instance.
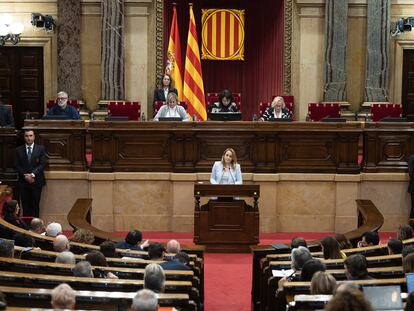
(330, 248)
(96, 258)
(133, 237)
(9, 209)
(225, 94)
(162, 78)
(343, 242)
(404, 232)
(310, 268)
(108, 249)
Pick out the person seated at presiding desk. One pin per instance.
(226, 171)
(225, 103)
(162, 92)
(6, 116)
(277, 110)
(172, 109)
(62, 108)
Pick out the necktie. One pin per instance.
(29, 153)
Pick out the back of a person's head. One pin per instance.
(408, 263)
(298, 241)
(53, 229)
(96, 258)
(37, 225)
(66, 258)
(63, 297)
(342, 240)
(408, 249)
(371, 237)
(300, 255)
(145, 300)
(322, 283)
(349, 300)
(156, 251)
(83, 236)
(404, 232)
(61, 243)
(154, 278)
(6, 248)
(356, 265)
(395, 246)
(133, 237)
(83, 269)
(23, 240)
(310, 268)
(173, 247)
(330, 248)
(409, 303)
(182, 257)
(108, 248)
(9, 208)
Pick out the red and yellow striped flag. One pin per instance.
(193, 76)
(174, 63)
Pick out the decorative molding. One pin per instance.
(287, 54)
(159, 37)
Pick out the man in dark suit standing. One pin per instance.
(411, 182)
(30, 161)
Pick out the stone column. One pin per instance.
(68, 45)
(377, 63)
(112, 57)
(336, 40)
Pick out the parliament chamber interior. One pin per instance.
(304, 109)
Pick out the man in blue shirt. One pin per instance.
(63, 109)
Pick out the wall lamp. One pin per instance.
(9, 31)
(43, 21)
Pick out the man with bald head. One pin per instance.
(61, 243)
(37, 226)
(173, 247)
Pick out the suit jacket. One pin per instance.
(69, 111)
(217, 174)
(36, 165)
(411, 173)
(160, 95)
(173, 265)
(6, 116)
(163, 112)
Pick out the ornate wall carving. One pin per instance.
(287, 57)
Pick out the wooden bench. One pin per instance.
(89, 300)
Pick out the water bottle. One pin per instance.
(91, 116)
(367, 117)
(27, 116)
(308, 117)
(254, 118)
(143, 117)
(194, 117)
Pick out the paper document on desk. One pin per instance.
(283, 273)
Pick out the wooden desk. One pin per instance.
(261, 147)
(387, 146)
(226, 224)
(64, 142)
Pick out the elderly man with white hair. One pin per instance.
(53, 229)
(145, 300)
(61, 243)
(63, 297)
(61, 108)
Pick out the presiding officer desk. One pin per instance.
(262, 147)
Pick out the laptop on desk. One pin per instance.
(224, 116)
(384, 297)
(280, 119)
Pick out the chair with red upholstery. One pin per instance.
(214, 98)
(132, 110)
(319, 111)
(381, 111)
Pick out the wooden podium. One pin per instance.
(226, 223)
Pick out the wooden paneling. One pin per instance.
(387, 146)
(64, 142)
(8, 174)
(408, 84)
(193, 147)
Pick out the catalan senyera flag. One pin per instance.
(193, 76)
(222, 34)
(173, 67)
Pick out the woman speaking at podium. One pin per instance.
(227, 171)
